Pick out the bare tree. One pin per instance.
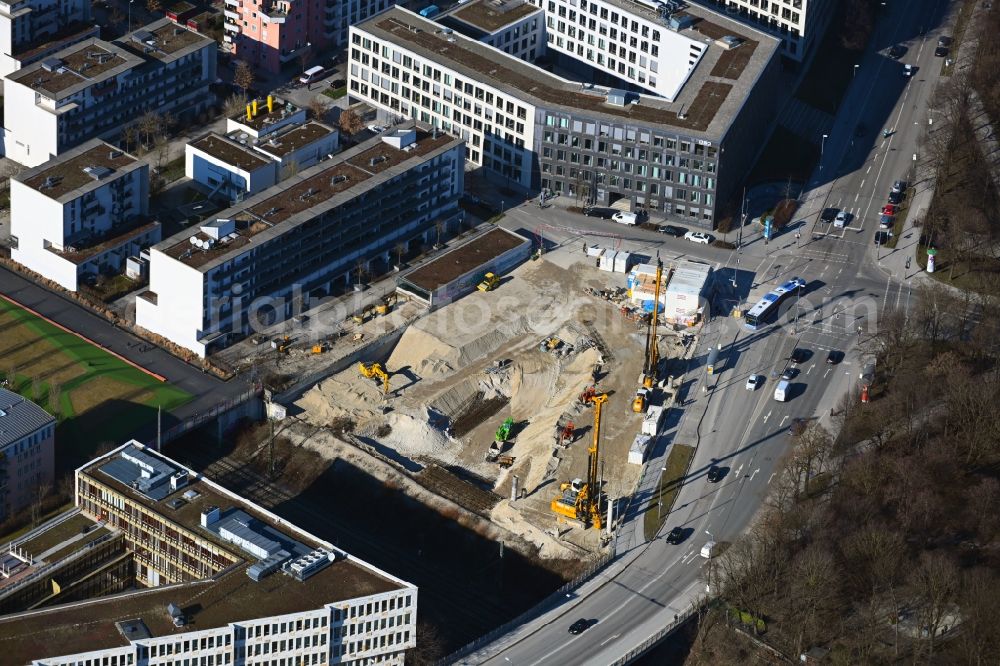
(400, 250)
(350, 122)
(243, 77)
(149, 126)
(360, 270)
(11, 376)
(439, 227)
(116, 17)
(318, 108)
(153, 6)
(235, 105)
(55, 397)
(935, 583)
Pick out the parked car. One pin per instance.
(631, 219)
(895, 197)
(941, 51)
(829, 214)
(896, 51)
(579, 626)
(886, 221)
(909, 70)
(944, 40)
(753, 381)
(715, 474)
(603, 213)
(675, 536)
(834, 357)
(900, 186)
(671, 230)
(842, 220)
(890, 209)
(800, 355)
(698, 237)
(882, 237)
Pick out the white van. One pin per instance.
(708, 550)
(781, 391)
(312, 75)
(622, 217)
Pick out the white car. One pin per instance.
(907, 70)
(843, 217)
(753, 381)
(698, 237)
(631, 219)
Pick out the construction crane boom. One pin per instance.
(652, 349)
(593, 499)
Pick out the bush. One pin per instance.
(723, 245)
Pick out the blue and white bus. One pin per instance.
(767, 307)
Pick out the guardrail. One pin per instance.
(653, 640)
(541, 607)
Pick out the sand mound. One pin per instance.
(413, 436)
(334, 397)
(510, 518)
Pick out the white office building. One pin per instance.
(515, 27)
(800, 24)
(191, 573)
(82, 213)
(95, 88)
(33, 29)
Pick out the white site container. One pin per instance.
(637, 452)
(608, 260)
(622, 262)
(653, 421)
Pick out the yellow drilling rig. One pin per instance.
(375, 371)
(579, 499)
(652, 360)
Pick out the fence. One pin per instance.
(541, 607)
(653, 640)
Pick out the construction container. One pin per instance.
(637, 452)
(641, 282)
(594, 251)
(654, 421)
(608, 260)
(688, 283)
(622, 261)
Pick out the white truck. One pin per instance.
(781, 390)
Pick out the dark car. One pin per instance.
(834, 357)
(676, 536)
(896, 51)
(715, 474)
(941, 51)
(799, 355)
(895, 197)
(882, 237)
(900, 186)
(829, 214)
(579, 626)
(789, 374)
(603, 213)
(944, 40)
(671, 230)
(860, 130)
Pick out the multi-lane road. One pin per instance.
(746, 431)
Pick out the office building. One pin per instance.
(191, 573)
(259, 259)
(275, 34)
(799, 24)
(81, 214)
(605, 146)
(33, 29)
(27, 452)
(95, 88)
(513, 26)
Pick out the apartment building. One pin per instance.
(95, 88)
(259, 259)
(274, 34)
(33, 29)
(515, 27)
(213, 579)
(27, 452)
(81, 214)
(527, 126)
(800, 24)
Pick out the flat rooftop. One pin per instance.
(267, 214)
(87, 167)
(303, 135)
(80, 254)
(230, 152)
(90, 625)
(706, 105)
(19, 417)
(281, 109)
(165, 40)
(456, 263)
(80, 65)
(492, 16)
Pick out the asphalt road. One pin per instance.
(744, 431)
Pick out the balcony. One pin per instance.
(231, 15)
(274, 16)
(232, 27)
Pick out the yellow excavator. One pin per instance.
(649, 369)
(579, 499)
(375, 371)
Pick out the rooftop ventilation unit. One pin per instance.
(193, 240)
(51, 64)
(115, 154)
(375, 160)
(98, 172)
(616, 97)
(270, 211)
(338, 179)
(49, 182)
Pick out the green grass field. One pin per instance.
(95, 396)
(670, 484)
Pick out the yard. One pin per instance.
(97, 398)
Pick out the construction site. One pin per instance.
(529, 400)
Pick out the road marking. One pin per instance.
(783, 419)
(771, 478)
(766, 416)
(754, 473)
(868, 170)
(825, 374)
(862, 182)
(739, 469)
(609, 639)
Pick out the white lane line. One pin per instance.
(766, 417)
(609, 639)
(771, 478)
(885, 296)
(867, 171)
(810, 368)
(783, 419)
(858, 194)
(738, 470)
(754, 473)
(825, 374)
(862, 182)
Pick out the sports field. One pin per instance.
(97, 397)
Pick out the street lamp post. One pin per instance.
(659, 496)
(855, 71)
(129, 15)
(822, 146)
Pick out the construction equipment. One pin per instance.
(364, 315)
(588, 395)
(652, 346)
(641, 400)
(506, 461)
(489, 282)
(503, 432)
(385, 305)
(499, 440)
(281, 344)
(566, 435)
(318, 349)
(550, 344)
(579, 499)
(375, 371)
